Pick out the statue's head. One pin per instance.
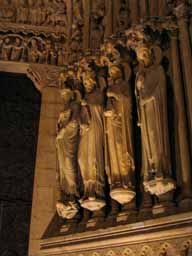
(89, 83)
(7, 40)
(34, 42)
(115, 72)
(144, 55)
(67, 95)
(18, 41)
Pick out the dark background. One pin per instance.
(19, 120)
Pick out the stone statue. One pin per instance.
(62, 55)
(22, 12)
(53, 55)
(17, 50)
(119, 156)
(6, 49)
(91, 150)
(152, 110)
(67, 146)
(24, 54)
(33, 51)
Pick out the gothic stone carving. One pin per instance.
(49, 13)
(91, 151)
(152, 110)
(33, 49)
(119, 156)
(67, 145)
(151, 93)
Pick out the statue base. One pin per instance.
(122, 195)
(92, 204)
(164, 204)
(186, 203)
(159, 186)
(67, 211)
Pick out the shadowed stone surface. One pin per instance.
(19, 119)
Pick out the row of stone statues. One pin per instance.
(35, 12)
(34, 50)
(95, 130)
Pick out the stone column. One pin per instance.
(181, 128)
(108, 18)
(143, 9)
(134, 9)
(86, 26)
(186, 54)
(162, 5)
(45, 78)
(153, 7)
(45, 189)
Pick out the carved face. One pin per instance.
(34, 43)
(18, 41)
(144, 56)
(7, 40)
(115, 73)
(89, 84)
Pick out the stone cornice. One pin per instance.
(155, 230)
(36, 30)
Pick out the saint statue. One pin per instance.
(33, 51)
(67, 146)
(6, 49)
(119, 156)
(91, 150)
(152, 110)
(17, 50)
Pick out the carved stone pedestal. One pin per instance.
(164, 205)
(93, 204)
(96, 219)
(185, 203)
(159, 185)
(146, 205)
(128, 212)
(122, 195)
(67, 211)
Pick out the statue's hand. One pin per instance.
(140, 82)
(84, 128)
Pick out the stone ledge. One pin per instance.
(159, 229)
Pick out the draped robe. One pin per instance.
(119, 160)
(91, 149)
(152, 109)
